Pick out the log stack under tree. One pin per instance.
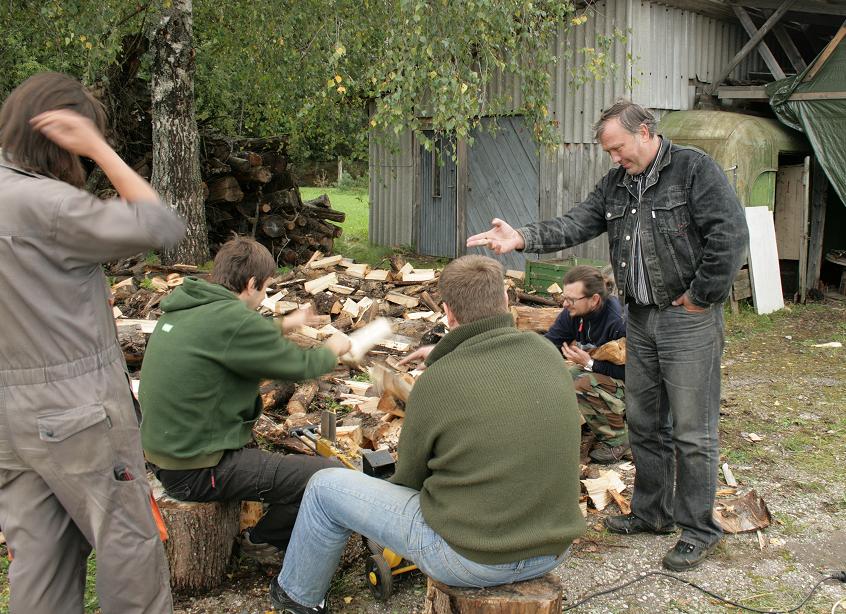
(251, 191)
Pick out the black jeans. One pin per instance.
(673, 411)
(249, 474)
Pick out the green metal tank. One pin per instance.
(745, 146)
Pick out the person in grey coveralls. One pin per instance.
(72, 474)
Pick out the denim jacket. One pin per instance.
(693, 228)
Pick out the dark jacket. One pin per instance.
(693, 227)
(201, 373)
(596, 329)
(491, 441)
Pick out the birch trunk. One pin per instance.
(176, 160)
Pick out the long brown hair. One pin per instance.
(28, 148)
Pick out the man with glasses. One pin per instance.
(677, 236)
(589, 320)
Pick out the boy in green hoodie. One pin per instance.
(199, 394)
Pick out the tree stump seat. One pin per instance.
(539, 596)
(200, 539)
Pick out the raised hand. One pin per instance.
(500, 239)
(71, 131)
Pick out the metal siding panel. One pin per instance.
(391, 191)
(503, 180)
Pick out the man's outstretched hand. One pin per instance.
(500, 239)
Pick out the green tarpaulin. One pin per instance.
(814, 102)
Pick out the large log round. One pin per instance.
(540, 596)
(200, 540)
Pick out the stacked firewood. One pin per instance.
(251, 191)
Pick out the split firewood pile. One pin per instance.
(367, 398)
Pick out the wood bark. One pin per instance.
(200, 540)
(540, 596)
(302, 397)
(176, 159)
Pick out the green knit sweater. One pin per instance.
(491, 440)
(201, 373)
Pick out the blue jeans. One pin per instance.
(340, 501)
(673, 410)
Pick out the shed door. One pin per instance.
(502, 181)
(436, 222)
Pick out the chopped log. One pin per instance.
(200, 540)
(321, 283)
(419, 275)
(275, 394)
(256, 174)
(324, 263)
(430, 302)
(533, 298)
(339, 289)
(540, 596)
(518, 275)
(302, 397)
(378, 275)
(538, 319)
(251, 513)
(397, 263)
(226, 189)
(409, 302)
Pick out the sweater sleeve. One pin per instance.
(608, 368)
(415, 442)
(258, 349)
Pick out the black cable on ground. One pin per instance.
(839, 575)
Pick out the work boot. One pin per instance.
(282, 603)
(684, 555)
(605, 454)
(629, 524)
(261, 552)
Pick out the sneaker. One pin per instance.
(684, 555)
(605, 454)
(629, 524)
(261, 552)
(282, 603)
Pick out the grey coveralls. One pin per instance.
(68, 430)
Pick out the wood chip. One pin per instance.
(597, 488)
(728, 475)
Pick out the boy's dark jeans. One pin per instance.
(249, 474)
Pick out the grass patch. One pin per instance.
(90, 600)
(355, 242)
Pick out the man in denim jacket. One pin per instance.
(677, 236)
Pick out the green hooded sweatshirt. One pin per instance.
(201, 373)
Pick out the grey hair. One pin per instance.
(632, 116)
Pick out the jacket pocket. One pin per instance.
(78, 438)
(615, 212)
(671, 214)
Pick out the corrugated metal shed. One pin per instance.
(392, 188)
(671, 49)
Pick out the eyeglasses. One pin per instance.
(571, 301)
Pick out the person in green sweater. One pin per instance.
(486, 489)
(199, 394)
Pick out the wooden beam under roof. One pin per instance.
(825, 7)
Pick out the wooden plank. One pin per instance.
(818, 96)
(819, 186)
(823, 57)
(803, 241)
(789, 47)
(742, 92)
(749, 46)
(763, 49)
(789, 200)
(763, 260)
